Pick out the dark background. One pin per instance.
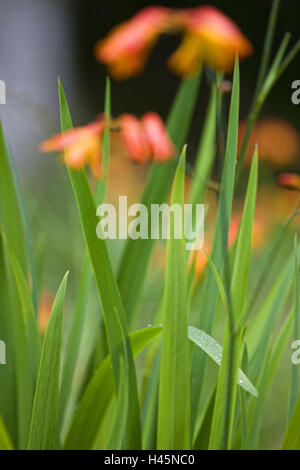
(156, 87)
(41, 40)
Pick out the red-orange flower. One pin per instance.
(44, 309)
(143, 139)
(128, 45)
(81, 146)
(158, 140)
(289, 181)
(134, 138)
(211, 38)
(146, 138)
(277, 140)
(198, 260)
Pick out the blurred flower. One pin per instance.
(143, 139)
(146, 138)
(275, 204)
(289, 181)
(127, 47)
(81, 146)
(278, 142)
(200, 262)
(158, 140)
(210, 37)
(134, 138)
(259, 231)
(198, 259)
(44, 309)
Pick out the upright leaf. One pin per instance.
(43, 420)
(112, 307)
(174, 387)
(210, 288)
(223, 417)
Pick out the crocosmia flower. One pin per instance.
(161, 146)
(81, 146)
(278, 143)
(210, 37)
(289, 181)
(146, 138)
(134, 138)
(128, 45)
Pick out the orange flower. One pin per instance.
(259, 230)
(199, 259)
(143, 139)
(44, 310)
(277, 140)
(146, 138)
(81, 146)
(289, 181)
(134, 138)
(211, 38)
(128, 45)
(161, 146)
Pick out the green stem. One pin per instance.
(267, 49)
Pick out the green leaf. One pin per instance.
(240, 276)
(112, 307)
(173, 430)
(137, 253)
(268, 367)
(264, 322)
(210, 288)
(96, 397)
(26, 303)
(80, 315)
(206, 152)
(291, 439)
(210, 346)
(25, 341)
(10, 208)
(5, 440)
(294, 391)
(223, 417)
(43, 420)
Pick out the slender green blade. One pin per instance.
(291, 439)
(206, 152)
(210, 288)
(44, 412)
(223, 417)
(240, 276)
(97, 396)
(112, 307)
(10, 209)
(28, 312)
(5, 439)
(174, 388)
(268, 367)
(80, 314)
(294, 391)
(215, 351)
(25, 341)
(137, 253)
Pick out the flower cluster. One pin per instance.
(143, 139)
(208, 36)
